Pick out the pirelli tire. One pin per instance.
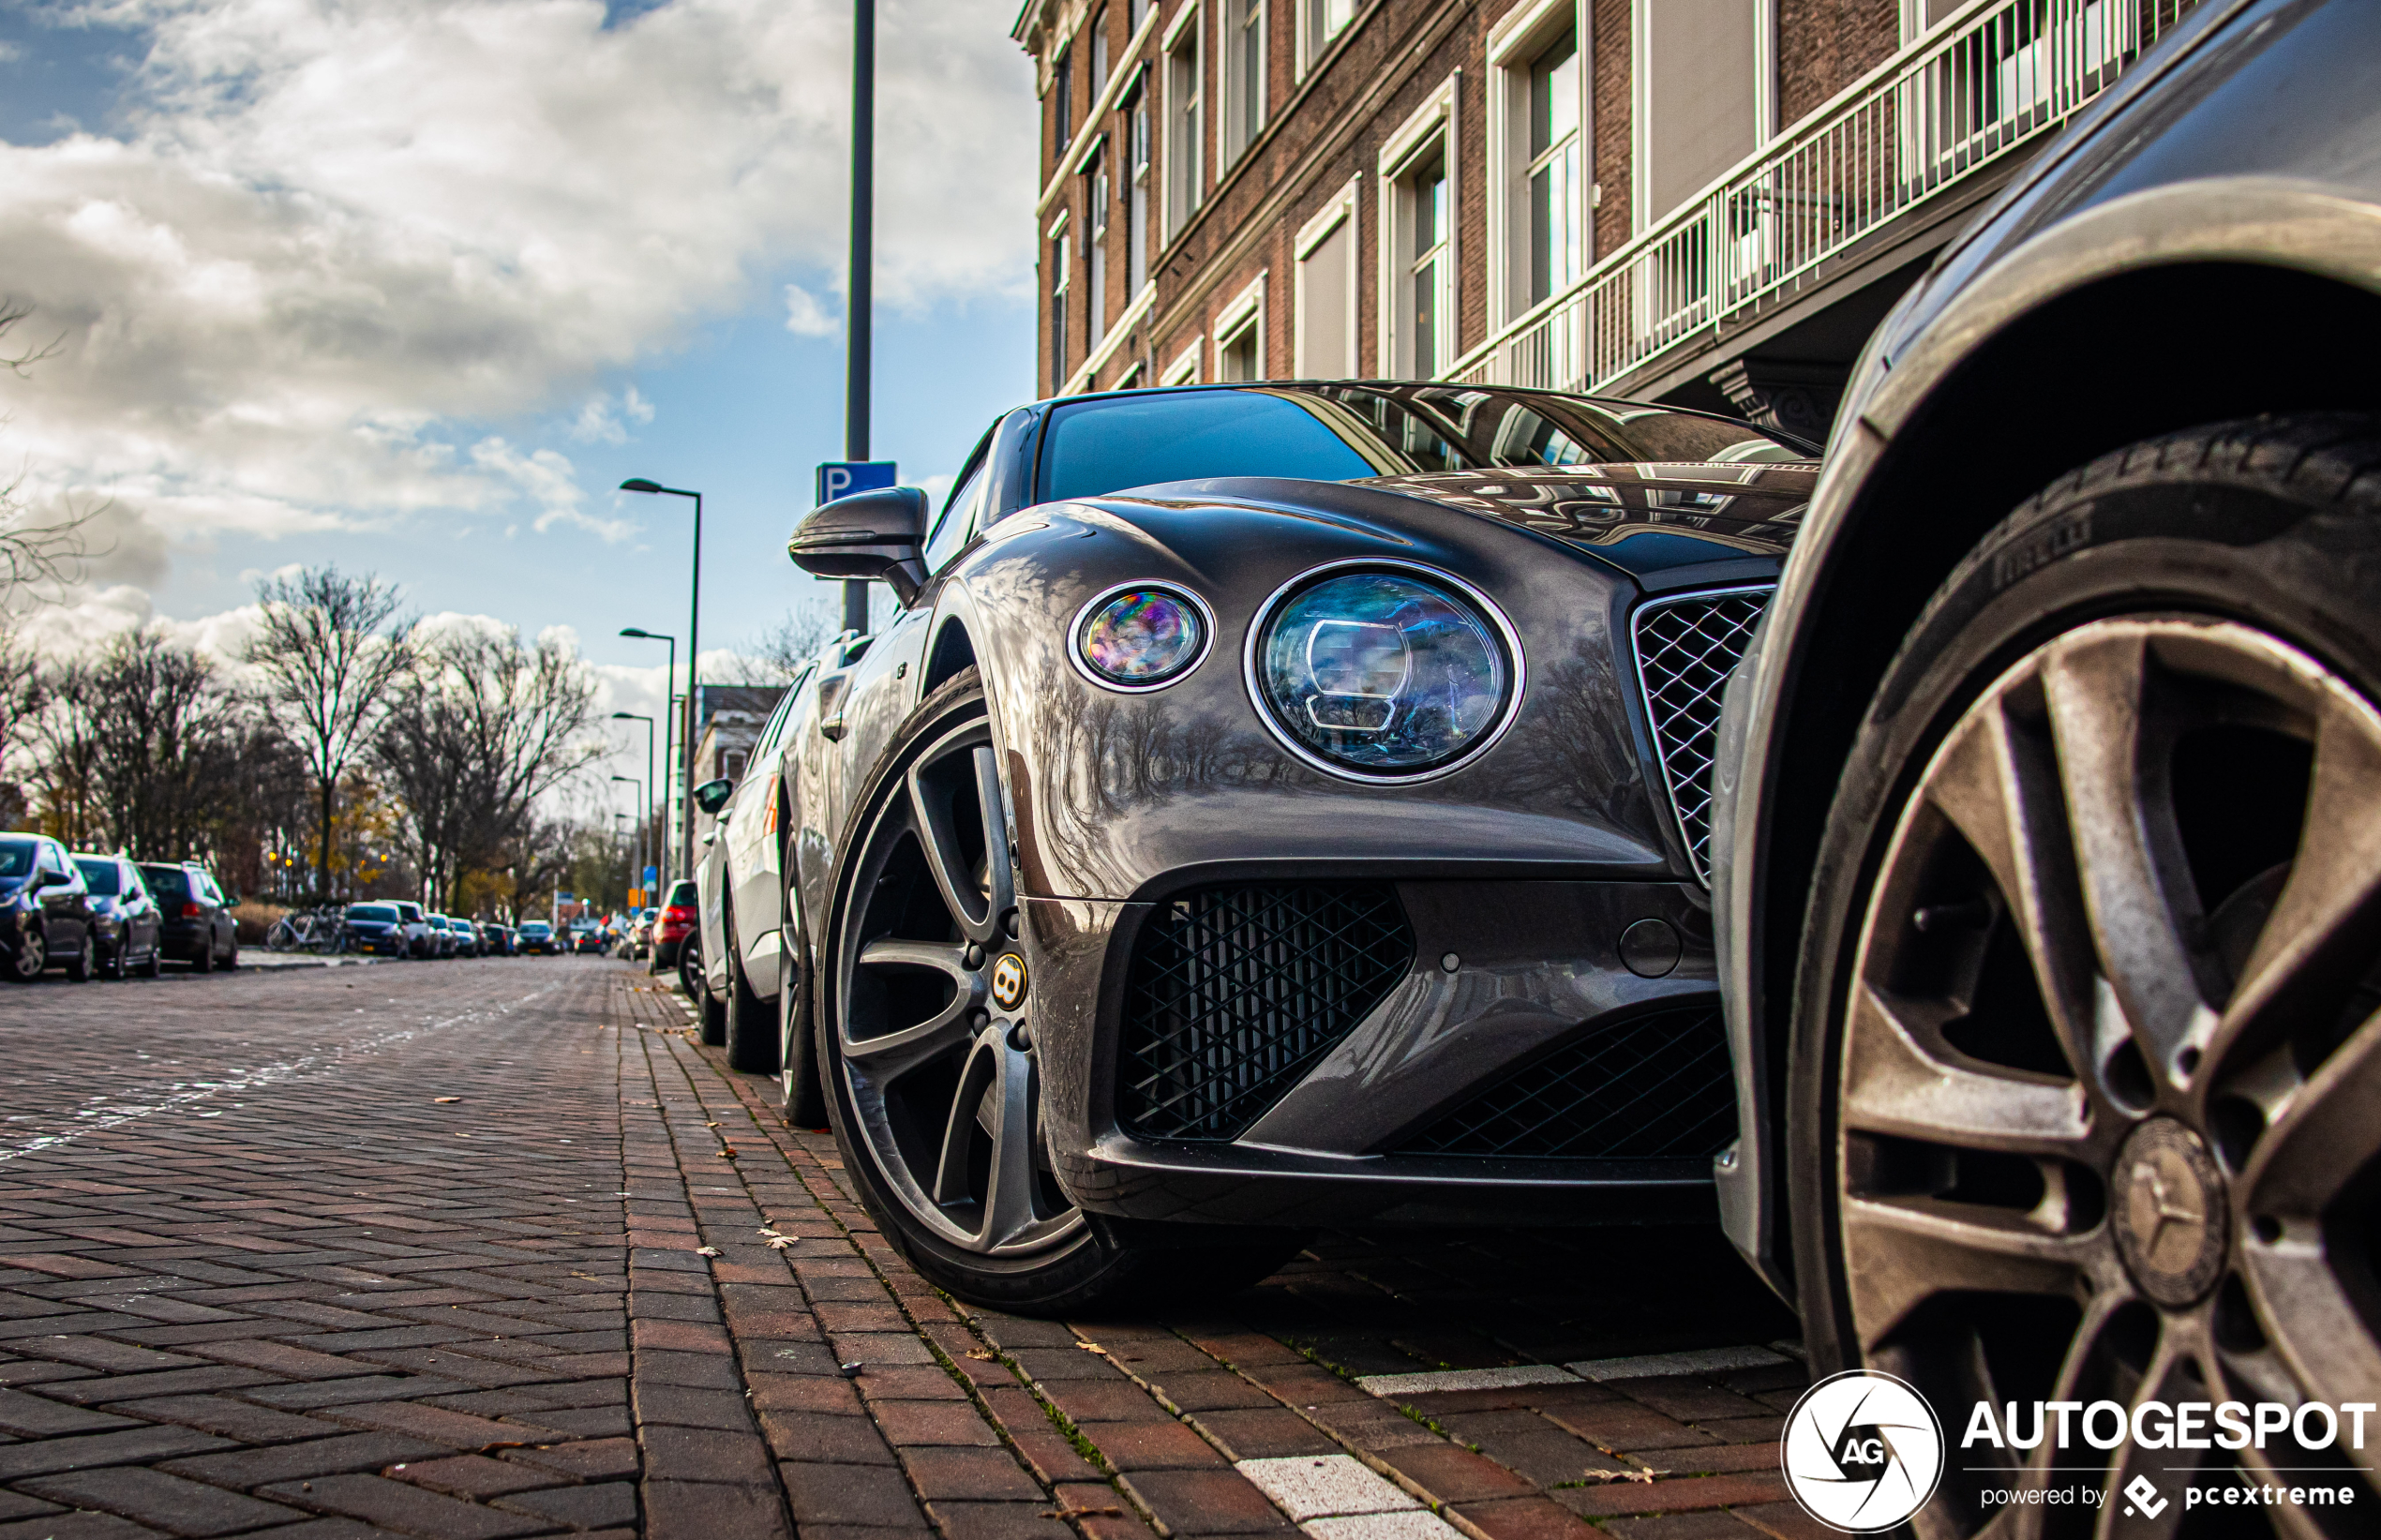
(2085, 1057)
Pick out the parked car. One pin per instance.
(467, 938)
(196, 921)
(497, 940)
(2048, 837)
(441, 937)
(1265, 809)
(126, 926)
(587, 936)
(673, 926)
(376, 929)
(416, 921)
(46, 918)
(537, 936)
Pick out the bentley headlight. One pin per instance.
(1383, 674)
(1140, 637)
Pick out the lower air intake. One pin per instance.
(1236, 992)
(1657, 1088)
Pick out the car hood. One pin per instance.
(1656, 522)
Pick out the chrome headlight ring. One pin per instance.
(1487, 738)
(1093, 606)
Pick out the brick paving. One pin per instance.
(492, 1249)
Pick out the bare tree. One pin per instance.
(331, 649)
(785, 652)
(33, 551)
(147, 749)
(482, 728)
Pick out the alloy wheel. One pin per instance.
(2109, 1122)
(32, 955)
(933, 1029)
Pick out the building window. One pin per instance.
(1243, 42)
(1099, 53)
(1136, 209)
(1186, 125)
(1095, 250)
(1324, 330)
(1061, 270)
(1062, 97)
(1184, 370)
(1421, 269)
(1557, 254)
(732, 764)
(1239, 335)
(1319, 22)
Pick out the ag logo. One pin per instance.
(1862, 1452)
(1009, 981)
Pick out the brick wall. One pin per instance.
(1825, 45)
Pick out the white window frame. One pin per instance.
(1514, 46)
(1184, 370)
(1061, 290)
(1435, 117)
(1342, 209)
(1245, 310)
(1185, 168)
(1310, 47)
(1228, 15)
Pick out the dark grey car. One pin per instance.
(127, 925)
(2048, 846)
(197, 924)
(45, 910)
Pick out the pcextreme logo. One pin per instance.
(1862, 1451)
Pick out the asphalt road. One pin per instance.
(492, 1249)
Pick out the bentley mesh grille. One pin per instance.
(1685, 650)
(1235, 992)
(1658, 1086)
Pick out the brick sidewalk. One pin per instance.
(636, 1302)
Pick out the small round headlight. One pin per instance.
(1138, 638)
(1380, 673)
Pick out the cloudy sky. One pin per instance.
(413, 285)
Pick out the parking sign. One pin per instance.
(842, 478)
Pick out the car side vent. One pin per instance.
(1656, 1087)
(1236, 992)
(1686, 648)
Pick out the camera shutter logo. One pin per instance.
(1862, 1451)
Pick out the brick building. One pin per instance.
(1706, 201)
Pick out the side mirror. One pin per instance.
(874, 536)
(712, 795)
(46, 878)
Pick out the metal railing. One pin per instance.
(1946, 107)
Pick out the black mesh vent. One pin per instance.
(1656, 1087)
(1236, 992)
(1685, 650)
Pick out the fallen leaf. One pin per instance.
(1093, 1347)
(462, 1136)
(981, 1357)
(1083, 1512)
(447, 1098)
(710, 1125)
(727, 1154)
(706, 1250)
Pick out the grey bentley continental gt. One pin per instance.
(1272, 805)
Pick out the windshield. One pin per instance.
(681, 894)
(1352, 432)
(167, 879)
(16, 858)
(372, 914)
(103, 877)
(537, 927)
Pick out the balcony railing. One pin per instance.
(1946, 107)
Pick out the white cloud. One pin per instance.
(329, 247)
(805, 317)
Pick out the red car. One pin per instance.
(676, 922)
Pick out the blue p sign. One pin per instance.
(842, 478)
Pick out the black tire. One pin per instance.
(31, 956)
(231, 957)
(203, 959)
(710, 1015)
(2121, 744)
(155, 965)
(85, 964)
(112, 964)
(804, 1095)
(914, 855)
(751, 1027)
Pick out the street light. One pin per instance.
(644, 818)
(693, 655)
(650, 779)
(669, 717)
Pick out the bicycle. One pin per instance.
(318, 931)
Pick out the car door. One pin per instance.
(142, 917)
(65, 907)
(755, 884)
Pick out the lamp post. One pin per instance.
(860, 284)
(620, 841)
(681, 758)
(645, 813)
(693, 657)
(636, 877)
